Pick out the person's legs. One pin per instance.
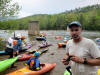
(14, 53)
(11, 56)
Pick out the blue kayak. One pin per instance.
(3, 52)
(40, 38)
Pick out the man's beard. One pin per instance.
(76, 37)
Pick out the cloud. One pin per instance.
(24, 14)
(51, 6)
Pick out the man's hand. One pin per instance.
(64, 61)
(77, 59)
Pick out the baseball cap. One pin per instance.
(74, 23)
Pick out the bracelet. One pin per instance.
(85, 61)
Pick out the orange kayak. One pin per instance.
(61, 45)
(25, 71)
(59, 37)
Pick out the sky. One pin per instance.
(31, 7)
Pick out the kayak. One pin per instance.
(23, 49)
(66, 73)
(25, 56)
(33, 51)
(43, 46)
(2, 52)
(40, 38)
(28, 56)
(25, 71)
(59, 37)
(28, 46)
(98, 71)
(61, 45)
(6, 63)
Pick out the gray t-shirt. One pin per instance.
(84, 49)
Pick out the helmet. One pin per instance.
(36, 54)
(23, 37)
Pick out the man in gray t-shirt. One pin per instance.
(85, 55)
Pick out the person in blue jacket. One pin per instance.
(34, 63)
(19, 43)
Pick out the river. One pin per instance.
(54, 54)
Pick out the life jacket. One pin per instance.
(32, 65)
(19, 42)
(15, 42)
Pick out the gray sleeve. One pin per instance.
(94, 50)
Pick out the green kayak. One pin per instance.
(66, 73)
(6, 63)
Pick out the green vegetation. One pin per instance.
(2, 45)
(88, 16)
(8, 9)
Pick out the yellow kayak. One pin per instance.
(25, 71)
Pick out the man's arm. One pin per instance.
(64, 59)
(92, 62)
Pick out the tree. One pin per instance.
(7, 8)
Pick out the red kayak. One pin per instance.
(25, 71)
(25, 56)
(28, 56)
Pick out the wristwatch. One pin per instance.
(85, 61)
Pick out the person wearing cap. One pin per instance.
(83, 52)
(34, 63)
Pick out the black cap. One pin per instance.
(74, 23)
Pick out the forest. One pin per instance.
(88, 16)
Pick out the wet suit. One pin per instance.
(33, 63)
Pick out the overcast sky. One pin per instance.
(31, 7)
